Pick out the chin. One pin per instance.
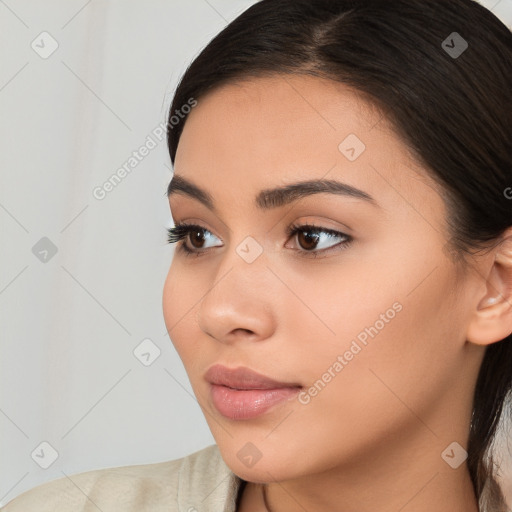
(252, 464)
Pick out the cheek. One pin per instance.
(373, 341)
(362, 381)
(178, 309)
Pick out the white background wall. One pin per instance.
(68, 375)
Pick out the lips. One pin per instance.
(243, 394)
(243, 378)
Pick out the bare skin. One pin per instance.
(372, 439)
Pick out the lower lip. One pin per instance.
(242, 404)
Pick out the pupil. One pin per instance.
(195, 236)
(309, 239)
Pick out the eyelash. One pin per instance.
(181, 231)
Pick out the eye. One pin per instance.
(185, 232)
(308, 236)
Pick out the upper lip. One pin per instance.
(243, 378)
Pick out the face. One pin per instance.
(360, 312)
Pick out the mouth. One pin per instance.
(246, 404)
(243, 378)
(242, 393)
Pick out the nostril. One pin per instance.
(248, 331)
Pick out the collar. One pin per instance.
(206, 483)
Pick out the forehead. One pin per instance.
(269, 131)
(268, 115)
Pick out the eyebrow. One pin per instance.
(273, 197)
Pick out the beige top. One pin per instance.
(199, 482)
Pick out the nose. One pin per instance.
(241, 302)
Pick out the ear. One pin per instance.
(492, 319)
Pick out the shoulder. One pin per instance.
(156, 487)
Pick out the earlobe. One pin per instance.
(492, 319)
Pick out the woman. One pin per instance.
(341, 290)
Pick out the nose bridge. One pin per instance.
(240, 296)
(246, 258)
